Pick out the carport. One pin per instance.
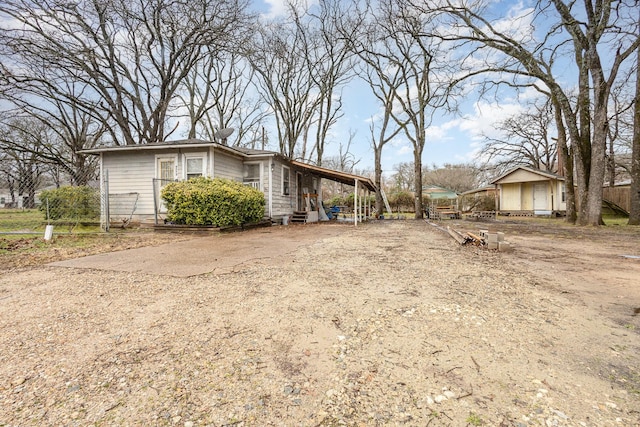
(363, 186)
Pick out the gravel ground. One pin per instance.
(390, 323)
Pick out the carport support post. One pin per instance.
(356, 205)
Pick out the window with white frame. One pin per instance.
(286, 180)
(194, 165)
(251, 175)
(564, 193)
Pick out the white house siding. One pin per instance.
(527, 196)
(283, 204)
(227, 166)
(521, 175)
(132, 173)
(510, 197)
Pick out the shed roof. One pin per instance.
(437, 192)
(540, 173)
(488, 188)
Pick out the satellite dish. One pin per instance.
(223, 134)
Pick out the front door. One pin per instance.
(165, 173)
(540, 197)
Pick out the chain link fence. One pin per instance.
(27, 206)
(87, 208)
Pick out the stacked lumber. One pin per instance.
(484, 239)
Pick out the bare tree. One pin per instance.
(301, 65)
(634, 212)
(403, 177)
(392, 42)
(219, 95)
(383, 81)
(563, 27)
(344, 161)
(458, 177)
(279, 56)
(132, 55)
(332, 66)
(68, 127)
(528, 139)
(22, 167)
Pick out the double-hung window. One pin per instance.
(194, 165)
(251, 175)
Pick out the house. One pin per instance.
(133, 176)
(434, 193)
(527, 191)
(442, 203)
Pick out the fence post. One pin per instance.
(106, 200)
(155, 202)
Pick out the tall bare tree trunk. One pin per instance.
(634, 210)
(565, 164)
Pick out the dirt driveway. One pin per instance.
(390, 323)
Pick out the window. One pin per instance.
(195, 167)
(286, 180)
(251, 175)
(564, 193)
(166, 170)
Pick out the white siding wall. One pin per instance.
(129, 173)
(227, 166)
(510, 199)
(283, 204)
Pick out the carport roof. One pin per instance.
(342, 177)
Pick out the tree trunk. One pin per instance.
(599, 141)
(565, 165)
(634, 210)
(378, 179)
(418, 186)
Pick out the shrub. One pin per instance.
(69, 202)
(217, 202)
(402, 200)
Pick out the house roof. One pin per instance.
(343, 177)
(480, 190)
(181, 143)
(545, 174)
(437, 192)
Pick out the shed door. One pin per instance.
(540, 197)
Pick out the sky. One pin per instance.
(452, 139)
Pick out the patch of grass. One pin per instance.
(616, 221)
(15, 220)
(474, 419)
(32, 221)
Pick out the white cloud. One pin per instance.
(280, 8)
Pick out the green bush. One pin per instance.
(217, 202)
(69, 202)
(402, 200)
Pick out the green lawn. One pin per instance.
(33, 221)
(21, 220)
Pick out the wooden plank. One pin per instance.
(457, 236)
